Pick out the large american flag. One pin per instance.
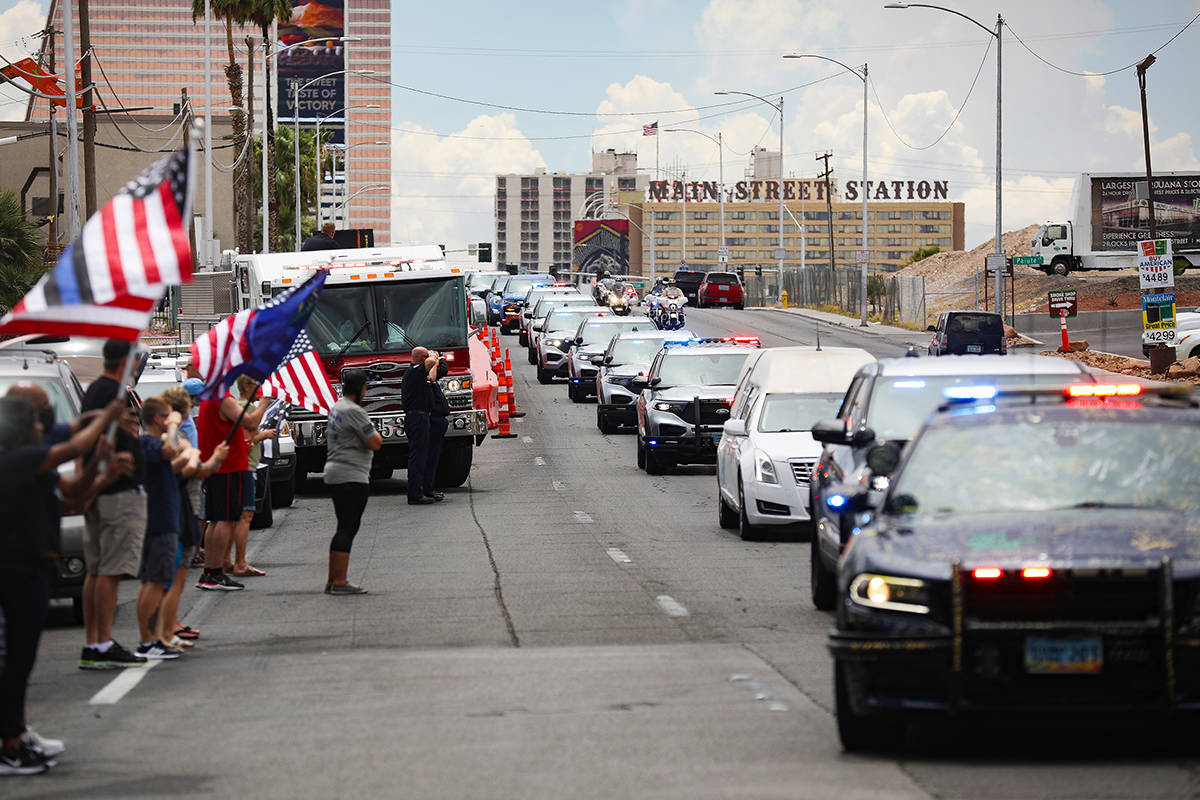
(300, 380)
(254, 341)
(108, 281)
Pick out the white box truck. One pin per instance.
(1108, 220)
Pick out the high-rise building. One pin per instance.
(535, 213)
(148, 53)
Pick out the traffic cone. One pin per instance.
(495, 353)
(505, 431)
(512, 396)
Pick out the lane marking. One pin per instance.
(559, 486)
(670, 606)
(121, 685)
(527, 439)
(583, 516)
(539, 462)
(619, 556)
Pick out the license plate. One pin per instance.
(1065, 655)
(974, 348)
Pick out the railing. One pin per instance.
(890, 298)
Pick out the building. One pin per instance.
(148, 54)
(534, 213)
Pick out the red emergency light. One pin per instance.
(987, 573)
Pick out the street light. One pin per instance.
(863, 265)
(721, 179)
(778, 108)
(999, 262)
(267, 56)
(375, 187)
(346, 162)
(296, 89)
(1142, 66)
(321, 172)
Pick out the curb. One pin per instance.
(855, 326)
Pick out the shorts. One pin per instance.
(223, 496)
(112, 539)
(248, 491)
(183, 557)
(159, 553)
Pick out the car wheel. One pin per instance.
(77, 609)
(264, 518)
(544, 375)
(531, 354)
(655, 464)
(641, 453)
(860, 732)
(454, 465)
(523, 340)
(749, 532)
(1195, 353)
(571, 392)
(740, 306)
(822, 581)
(1060, 267)
(727, 518)
(283, 493)
(606, 425)
(298, 479)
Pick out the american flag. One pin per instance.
(651, 129)
(300, 380)
(108, 281)
(255, 341)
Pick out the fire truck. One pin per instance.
(376, 306)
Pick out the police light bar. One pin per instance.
(1103, 390)
(969, 392)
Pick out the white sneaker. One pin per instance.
(156, 651)
(49, 748)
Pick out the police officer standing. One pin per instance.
(425, 422)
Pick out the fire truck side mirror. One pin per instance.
(478, 313)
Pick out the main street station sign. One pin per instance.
(768, 190)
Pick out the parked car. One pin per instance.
(767, 455)
(968, 332)
(721, 289)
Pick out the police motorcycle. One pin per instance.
(670, 306)
(615, 298)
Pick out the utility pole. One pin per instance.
(1142, 66)
(89, 110)
(73, 224)
(246, 243)
(52, 234)
(829, 213)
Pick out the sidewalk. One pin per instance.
(898, 336)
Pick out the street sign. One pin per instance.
(997, 262)
(1155, 264)
(1064, 300)
(1158, 317)
(1027, 261)
(779, 254)
(862, 256)
(683, 263)
(722, 258)
(723, 252)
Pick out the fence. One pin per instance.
(890, 298)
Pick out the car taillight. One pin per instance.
(986, 573)
(1036, 573)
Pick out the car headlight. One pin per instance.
(73, 565)
(557, 344)
(285, 428)
(456, 384)
(662, 405)
(890, 593)
(764, 468)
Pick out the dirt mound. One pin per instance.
(955, 270)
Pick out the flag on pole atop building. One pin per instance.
(255, 341)
(651, 129)
(108, 281)
(301, 381)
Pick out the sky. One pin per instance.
(484, 88)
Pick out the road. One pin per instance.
(562, 626)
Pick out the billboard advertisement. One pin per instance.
(601, 245)
(305, 63)
(1120, 220)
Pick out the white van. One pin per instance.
(767, 454)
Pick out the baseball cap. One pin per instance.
(194, 386)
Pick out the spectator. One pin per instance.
(29, 545)
(241, 531)
(322, 239)
(116, 525)
(350, 441)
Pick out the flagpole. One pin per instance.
(653, 247)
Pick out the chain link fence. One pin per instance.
(890, 298)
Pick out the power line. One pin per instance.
(1108, 72)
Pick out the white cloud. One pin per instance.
(17, 26)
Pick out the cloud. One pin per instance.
(17, 26)
(443, 189)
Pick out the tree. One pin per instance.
(923, 252)
(284, 185)
(20, 253)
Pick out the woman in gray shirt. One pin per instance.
(350, 440)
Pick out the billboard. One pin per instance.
(308, 62)
(601, 245)
(1120, 220)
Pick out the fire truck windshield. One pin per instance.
(399, 316)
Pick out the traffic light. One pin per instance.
(443, 249)
(485, 252)
(741, 272)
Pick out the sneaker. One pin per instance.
(47, 748)
(219, 582)
(23, 760)
(157, 651)
(180, 644)
(116, 657)
(343, 588)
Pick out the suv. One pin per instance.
(504, 303)
(531, 298)
(685, 400)
(721, 289)
(968, 332)
(627, 356)
(591, 340)
(537, 316)
(689, 281)
(557, 337)
(887, 401)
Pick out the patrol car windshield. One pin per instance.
(635, 351)
(796, 412)
(601, 333)
(701, 369)
(544, 304)
(566, 319)
(518, 285)
(900, 405)
(389, 317)
(1046, 466)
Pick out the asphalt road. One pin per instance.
(562, 626)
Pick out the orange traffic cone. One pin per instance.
(512, 397)
(505, 431)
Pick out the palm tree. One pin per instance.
(20, 253)
(284, 185)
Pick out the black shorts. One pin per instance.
(223, 496)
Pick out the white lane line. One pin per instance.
(121, 685)
(527, 439)
(670, 606)
(539, 462)
(619, 556)
(583, 516)
(559, 486)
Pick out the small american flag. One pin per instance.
(301, 381)
(651, 129)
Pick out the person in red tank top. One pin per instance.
(223, 491)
